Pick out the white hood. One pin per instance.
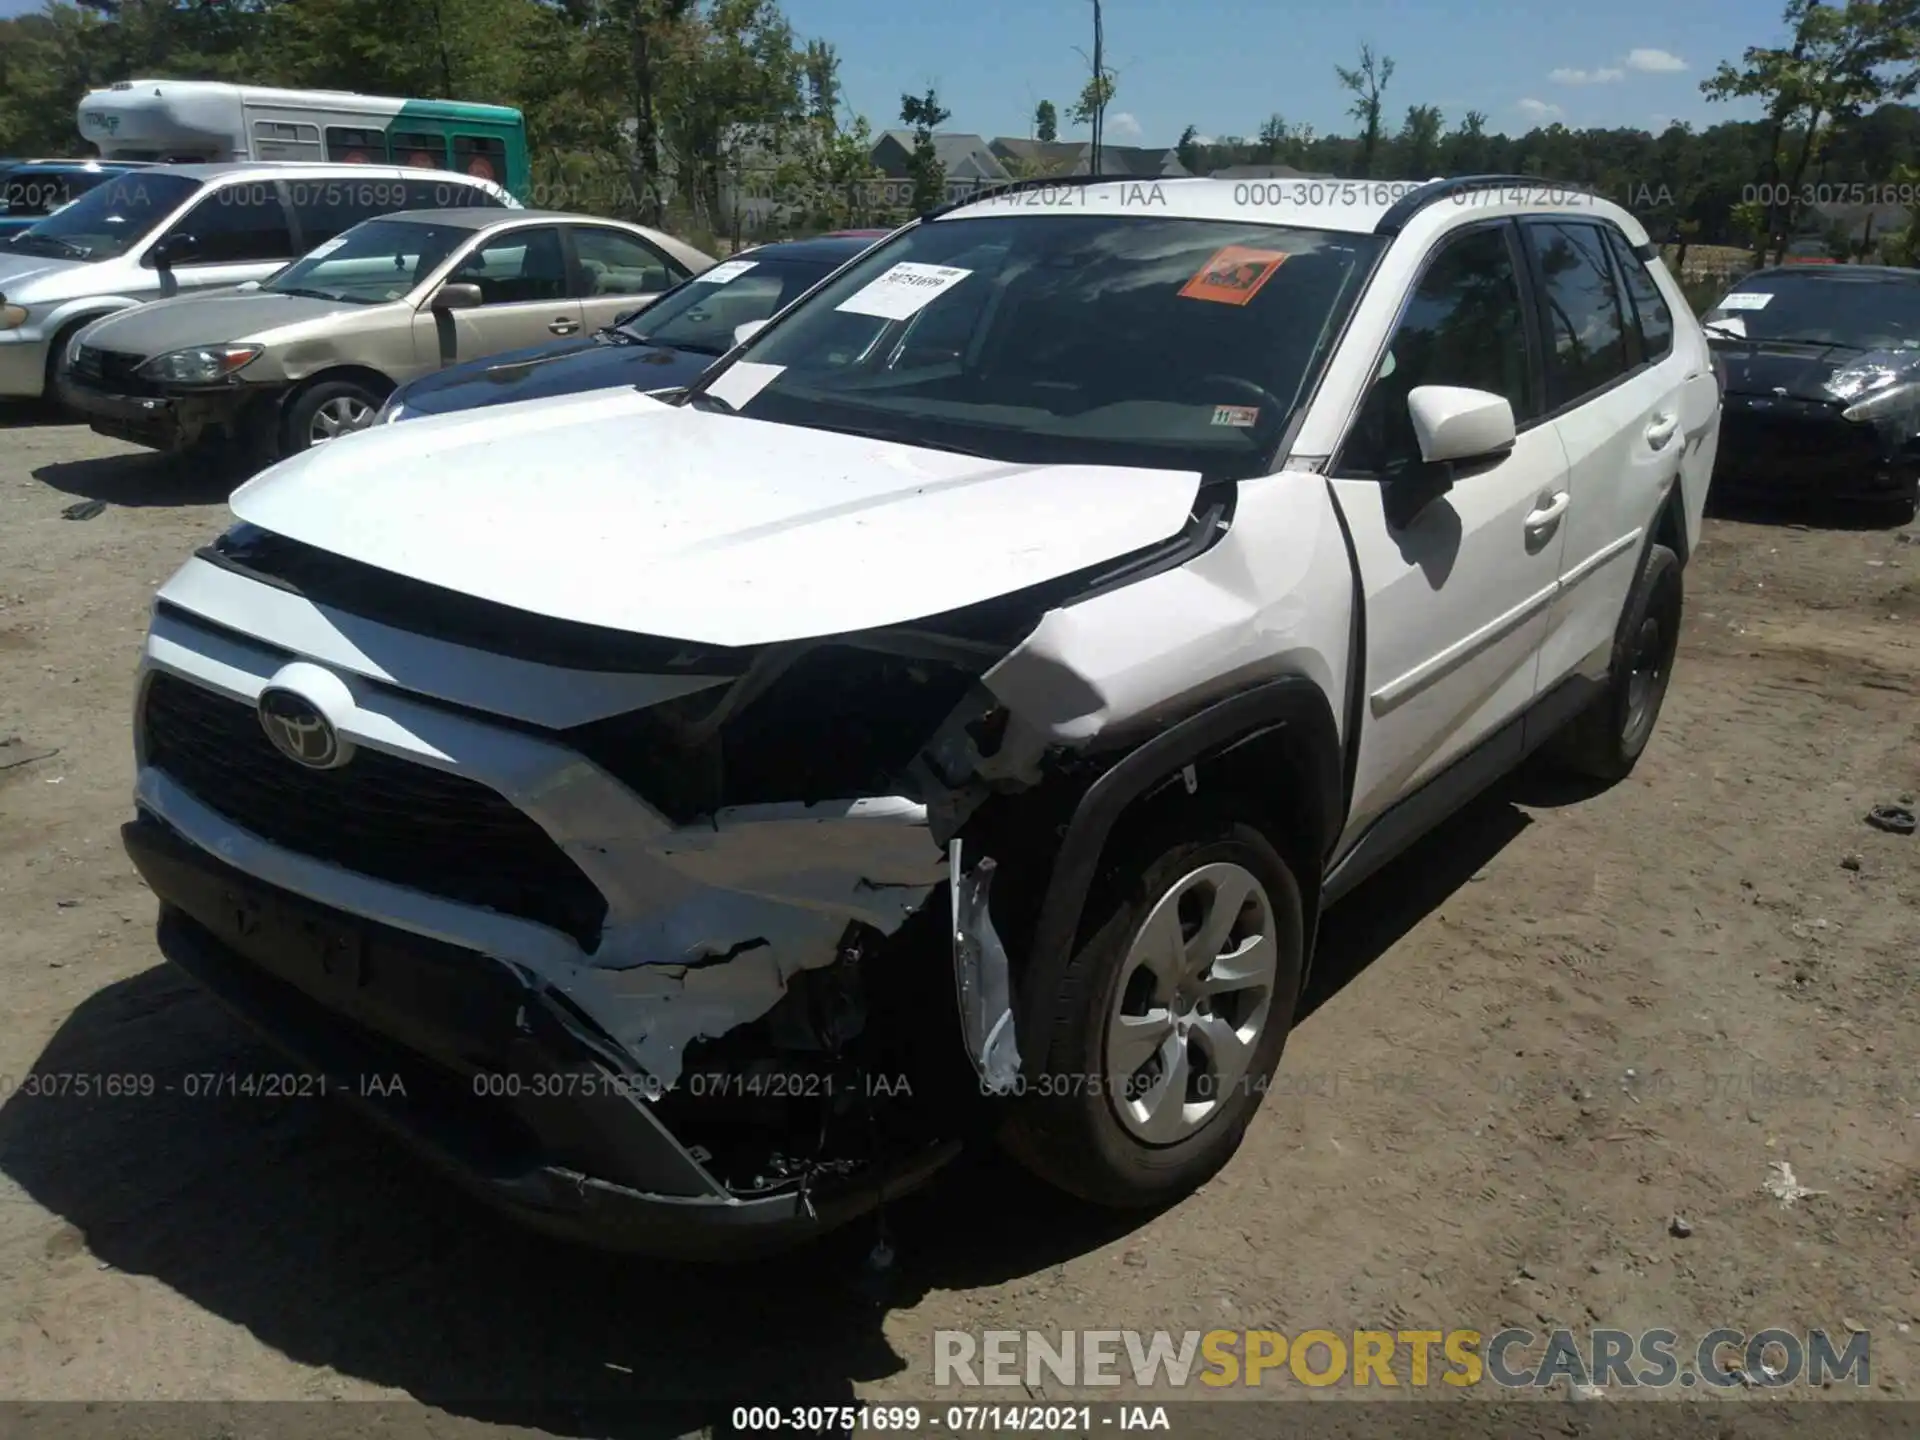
(615, 510)
(36, 279)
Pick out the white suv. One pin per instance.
(950, 716)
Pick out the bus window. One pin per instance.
(282, 140)
(419, 152)
(356, 147)
(481, 156)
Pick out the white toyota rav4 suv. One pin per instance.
(691, 819)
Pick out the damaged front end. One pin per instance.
(744, 944)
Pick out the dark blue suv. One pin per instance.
(662, 347)
(31, 190)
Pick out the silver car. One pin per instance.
(311, 353)
(174, 230)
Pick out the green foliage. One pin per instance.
(1046, 122)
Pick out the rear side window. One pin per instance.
(613, 262)
(1653, 318)
(1586, 322)
(1464, 325)
(327, 207)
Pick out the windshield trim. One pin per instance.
(1270, 459)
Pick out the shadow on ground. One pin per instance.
(287, 1218)
(144, 479)
(1814, 514)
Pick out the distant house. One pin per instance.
(1264, 172)
(963, 157)
(1863, 224)
(1042, 158)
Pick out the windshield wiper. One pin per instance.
(703, 400)
(65, 247)
(1719, 327)
(1809, 340)
(307, 294)
(896, 437)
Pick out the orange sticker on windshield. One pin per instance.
(1234, 276)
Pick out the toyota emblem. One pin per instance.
(300, 732)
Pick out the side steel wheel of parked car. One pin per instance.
(1170, 1019)
(327, 411)
(1605, 743)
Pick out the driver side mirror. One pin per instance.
(744, 333)
(175, 249)
(455, 295)
(1454, 426)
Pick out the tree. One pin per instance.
(1841, 59)
(1188, 150)
(1466, 147)
(1368, 83)
(924, 114)
(1273, 139)
(822, 68)
(1419, 142)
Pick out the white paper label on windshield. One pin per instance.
(904, 291)
(326, 247)
(1745, 300)
(723, 272)
(743, 380)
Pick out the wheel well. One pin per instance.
(1272, 756)
(1670, 525)
(363, 375)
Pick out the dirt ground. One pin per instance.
(1556, 1026)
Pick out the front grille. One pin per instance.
(377, 815)
(111, 370)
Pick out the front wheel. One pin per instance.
(325, 412)
(1605, 742)
(1169, 1021)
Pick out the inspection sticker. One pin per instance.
(1234, 275)
(904, 291)
(1745, 300)
(1239, 416)
(725, 271)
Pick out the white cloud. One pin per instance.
(1568, 76)
(1539, 109)
(1655, 62)
(1122, 126)
(1203, 140)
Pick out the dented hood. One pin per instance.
(615, 510)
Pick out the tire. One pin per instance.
(1605, 742)
(340, 401)
(52, 393)
(1082, 1131)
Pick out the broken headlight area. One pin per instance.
(804, 724)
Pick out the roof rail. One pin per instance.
(1416, 200)
(1011, 187)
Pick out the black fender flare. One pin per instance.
(1292, 703)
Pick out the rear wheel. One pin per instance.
(327, 411)
(1606, 741)
(1170, 1020)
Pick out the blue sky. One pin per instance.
(1225, 65)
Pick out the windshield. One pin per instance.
(40, 192)
(702, 314)
(111, 218)
(1858, 314)
(1094, 339)
(375, 261)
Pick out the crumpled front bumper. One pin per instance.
(1783, 448)
(480, 1069)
